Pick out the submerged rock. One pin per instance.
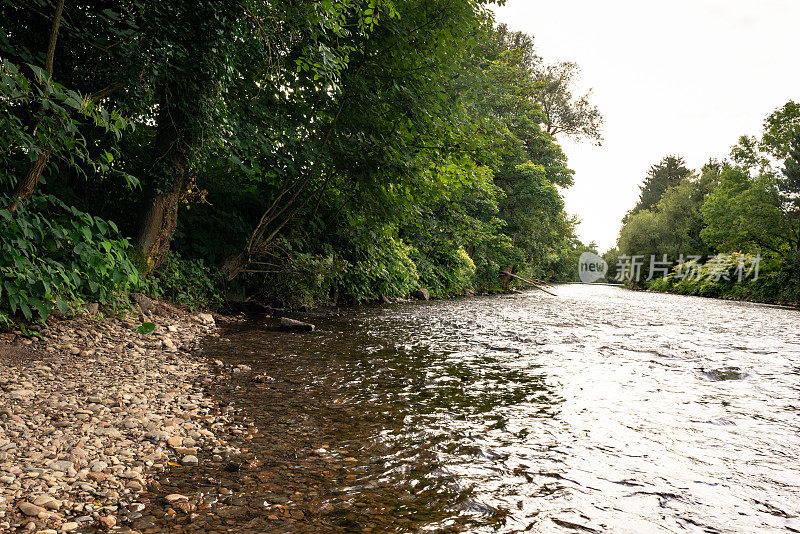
(263, 379)
(290, 325)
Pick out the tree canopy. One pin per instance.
(290, 151)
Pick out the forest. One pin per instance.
(291, 152)
(733, 217)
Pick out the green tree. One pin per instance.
(744, 214)
(565, 114)
(529, 166)
(781, 128)
(673, 226)
(667, 173)
(756, 204)
(394, 114)
(789, 181)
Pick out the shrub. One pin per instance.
(54, 255)
(190, 283)
(308, 279)
(298, 278)
(719, 277)
(660, 284)
(59, 130)
(492, 257)
(445, 273)
(386, 270)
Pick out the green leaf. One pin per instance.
(146, 328)
(42, 307)
(62, 305)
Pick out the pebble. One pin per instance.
(85, 419)
(97, 476)
(41, 500)
(62, 466)
(30, 509)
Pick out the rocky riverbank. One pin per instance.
(92, 413)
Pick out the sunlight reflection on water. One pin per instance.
(608, 409)
(597, 410)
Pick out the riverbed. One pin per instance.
(599, 409)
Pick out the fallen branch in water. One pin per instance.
(540, 288)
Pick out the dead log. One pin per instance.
(508, 275)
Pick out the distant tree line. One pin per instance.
(745, 207)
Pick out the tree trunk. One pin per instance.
(160, 214)
(27, 185)
(156, 227)
(505, 277)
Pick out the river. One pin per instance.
(598, 410)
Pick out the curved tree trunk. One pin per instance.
(27, 185)
(158, 223)
(505, 277)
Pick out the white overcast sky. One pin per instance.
(684, 77)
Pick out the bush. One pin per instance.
(660, 284)
(53, 255)
(778, 284)
(445, 273)
(719, 278)
(308, 279)
(60, 130)
(299, 278)
(492, 257)
(189, 283)
(385, 270)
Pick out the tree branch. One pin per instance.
(51, 47)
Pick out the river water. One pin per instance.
(599, 409)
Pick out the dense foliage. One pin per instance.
(726, 218)
(296, 152)
(53, 255)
